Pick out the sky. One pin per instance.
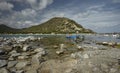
(92, 14)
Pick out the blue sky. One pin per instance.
(93, 14)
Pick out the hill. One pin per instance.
(54, 25)
(57, 25)
(7, 29)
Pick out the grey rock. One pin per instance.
(31, 71)
(3, 70)
(86, 56)
(22, 57)
(11, 63)
(26, 48)
(41, 51)
(3, 63)
(21, 71)
(35, 60)
(20, 65)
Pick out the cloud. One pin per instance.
(116, 1)
(39, 4)
(6, 6)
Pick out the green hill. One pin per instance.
(54, 25)
(57, 25)
(7, 29)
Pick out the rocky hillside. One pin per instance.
(58, 25)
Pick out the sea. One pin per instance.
(95, 37)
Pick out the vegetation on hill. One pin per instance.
(54, 25)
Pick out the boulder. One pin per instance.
(3, 63)
(11, 64)
(3, 70)
(20, 65)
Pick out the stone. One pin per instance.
(2, 52)
(15, 54)
(11, 64)
(113, 70)
(3, 63)
(35, 60)
(22, 57)
(26, 48)
(40, 51)
(59, 52)
(85, 56)
(31, 71)
(20, 65)
(21, 71)
(3, 70)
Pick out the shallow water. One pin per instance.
(92, 37)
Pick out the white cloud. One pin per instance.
(6, 6)
(39, 4)
(28, 12)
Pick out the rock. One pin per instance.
(11, 63)
(85, 56)
(59, 52)
(113, 70)
(3, 63)
(40, 51)
(105, 67)
(31, 71)
(26, 48)
(79, 47)
(13, 51)
(3, 70)
(15, 54)
(22, 57)
(21, 71)
(35, 60)
(20, 65)
(2, 52)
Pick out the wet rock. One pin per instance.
(20, 65)
(11, 63)
(3, 63)
(3, 70)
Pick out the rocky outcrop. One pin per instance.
(24, 57)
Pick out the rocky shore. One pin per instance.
(56, 55)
